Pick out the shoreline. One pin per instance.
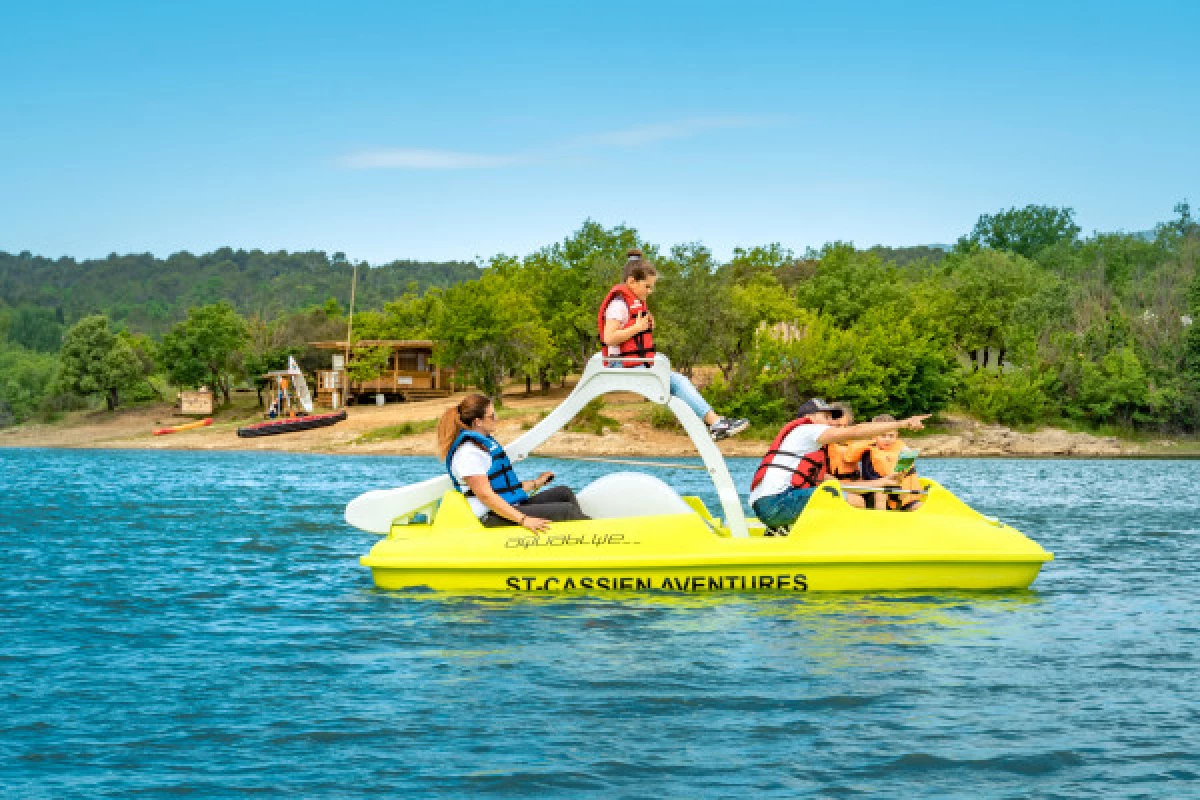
(563, 456)
(380, 430)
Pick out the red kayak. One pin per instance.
(185, 427)
(289, 424)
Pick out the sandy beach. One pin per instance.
(371, 430)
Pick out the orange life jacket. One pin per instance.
(844, 459)
(638, 346)
(810, 469)
(879, 462)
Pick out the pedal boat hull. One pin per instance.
(832, 547)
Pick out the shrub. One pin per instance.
(590, 419)
(1015, 397)
(662, 418)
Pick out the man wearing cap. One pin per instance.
(795, 463)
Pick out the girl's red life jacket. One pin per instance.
(810, 469)
(639, 346)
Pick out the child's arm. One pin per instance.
(614, 334)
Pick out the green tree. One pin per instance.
(1192, 322)
(882, 364)
(684, 307)
(748, 307)
(1010, 397)
(1184, 226)
(26, 377)
(489, 329)
(205, 348)
(1025, 231)
(1113, 390)
(847, 283)
(368, 363)
(761, 260)
(982, 291)
(411, 315)
(35, 329)
(566, 282)
(95, 360)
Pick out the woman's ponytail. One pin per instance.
(458, 418)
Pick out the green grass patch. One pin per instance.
(662, 418)
(393, 432)
(591, 419)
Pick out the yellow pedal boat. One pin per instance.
(644, 537)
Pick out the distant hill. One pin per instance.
(150, 294)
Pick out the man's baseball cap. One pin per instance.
(817, 404)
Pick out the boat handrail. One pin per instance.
(653, 383)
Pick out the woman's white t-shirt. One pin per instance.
(471, 459)
(802, 440)
(617, 309)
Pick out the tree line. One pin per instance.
(149, 294)
(1023, 321)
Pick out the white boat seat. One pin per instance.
(630, 494)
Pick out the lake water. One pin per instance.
(197, 624)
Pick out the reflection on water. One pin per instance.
(199, 623)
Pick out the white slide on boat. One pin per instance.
(375, 511)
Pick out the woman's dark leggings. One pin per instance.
(557, 504)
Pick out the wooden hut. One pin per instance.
(410, 373)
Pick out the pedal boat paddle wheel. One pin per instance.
(293, 403)
(645, 537)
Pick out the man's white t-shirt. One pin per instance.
(471, 459)
(617, 309)
(802, 440)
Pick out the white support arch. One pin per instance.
(374, 511)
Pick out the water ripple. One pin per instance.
(197, 624)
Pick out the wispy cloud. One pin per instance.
(628, 138)
(643, 135)
(417, 158)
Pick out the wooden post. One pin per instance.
(349, 332)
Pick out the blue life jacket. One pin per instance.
(500, 475)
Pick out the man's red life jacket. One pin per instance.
(639, 346)
(809, 471)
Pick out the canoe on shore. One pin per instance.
(291, 424)
(187, 426)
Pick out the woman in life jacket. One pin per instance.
(626, 329)
(482, 471)
(878, 460)
(797, 461)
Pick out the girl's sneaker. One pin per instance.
(726, 427)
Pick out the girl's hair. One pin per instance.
(458, 418)
(847, 412)
(636, 266)
(883, 418)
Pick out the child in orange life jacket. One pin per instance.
(627, 332)
(880, 460)
(844, 456)
(797, 461)
(845, 461)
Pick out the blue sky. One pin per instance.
(390, 130)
